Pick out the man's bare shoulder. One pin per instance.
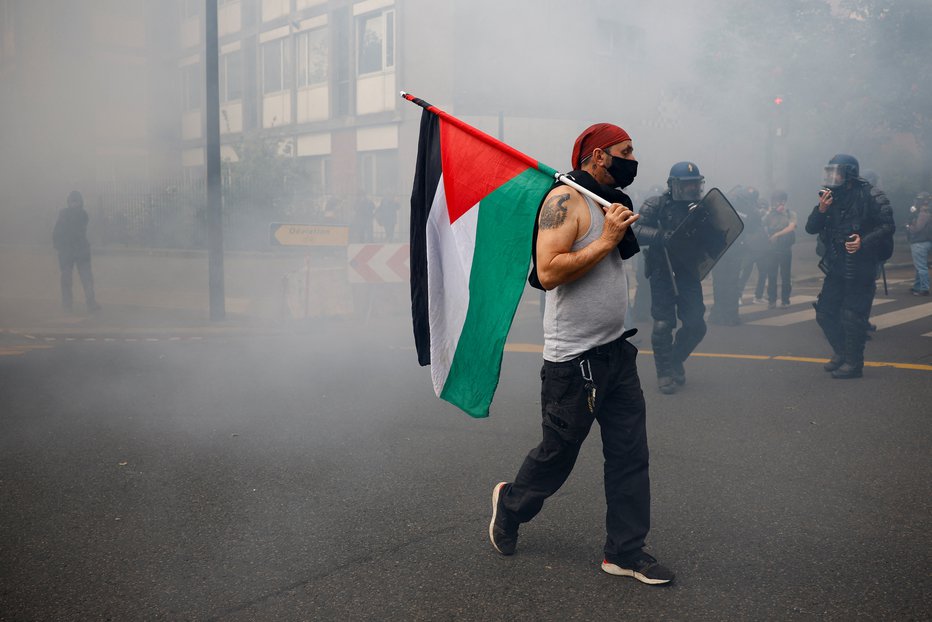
(559, 207)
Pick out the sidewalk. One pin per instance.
(162, 291)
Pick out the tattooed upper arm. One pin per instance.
(553, 212)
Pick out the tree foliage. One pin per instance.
(856, 76)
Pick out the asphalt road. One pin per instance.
(314, 476)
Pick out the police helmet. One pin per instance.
(685, 182)
(839, 170)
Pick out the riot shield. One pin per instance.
(705, 234)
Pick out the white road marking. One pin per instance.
(902, 316)
(803, 316)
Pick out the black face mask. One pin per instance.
(623, 171)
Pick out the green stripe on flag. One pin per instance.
(499, 269)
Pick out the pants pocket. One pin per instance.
(571, 424)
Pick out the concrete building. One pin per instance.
(103, 91)
(319, 76)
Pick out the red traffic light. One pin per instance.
(778, 100)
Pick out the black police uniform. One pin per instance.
(844, 304)
(659, 217)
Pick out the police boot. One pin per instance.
(666, 384)
(662, 341)
(847, 370)
(678, 373)
(854, 348)
(835, 362)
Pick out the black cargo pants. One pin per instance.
(620, 410)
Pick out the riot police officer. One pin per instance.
(856, 233)
(675, 290)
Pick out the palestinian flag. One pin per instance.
(473, 208)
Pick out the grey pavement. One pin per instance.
(156, 465)
(316, 477)
(166, 291)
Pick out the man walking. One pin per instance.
(589, 371)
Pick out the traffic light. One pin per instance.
(779, 123)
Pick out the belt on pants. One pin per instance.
(607, 347)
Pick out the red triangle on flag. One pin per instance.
(473, 168)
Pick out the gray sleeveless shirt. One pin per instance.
(589, 311)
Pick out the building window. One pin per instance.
(313, 57)
(316, 177)
(378, 172)
(376, 42)
(231, 76)
(276, 66)
(191, 87)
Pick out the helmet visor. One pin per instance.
(833, 175)
(687, 189)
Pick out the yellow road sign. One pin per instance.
(295, 234)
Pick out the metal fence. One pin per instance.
(167, 213)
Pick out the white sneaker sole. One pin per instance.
(618, 571)
(495, 493)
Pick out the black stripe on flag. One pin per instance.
(426, 179)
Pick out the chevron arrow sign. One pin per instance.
(378, 263)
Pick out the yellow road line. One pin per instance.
(17, 350)
(530, 348)
(898, 365)
(527, 348)
(753, 357)
(800, 359)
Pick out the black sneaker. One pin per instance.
(504, 537)
(642, 567)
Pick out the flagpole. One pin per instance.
(561, 177)
(566, 179)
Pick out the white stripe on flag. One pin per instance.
(449, 263)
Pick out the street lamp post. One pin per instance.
(214, 197)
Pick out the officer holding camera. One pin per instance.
(856, 234)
